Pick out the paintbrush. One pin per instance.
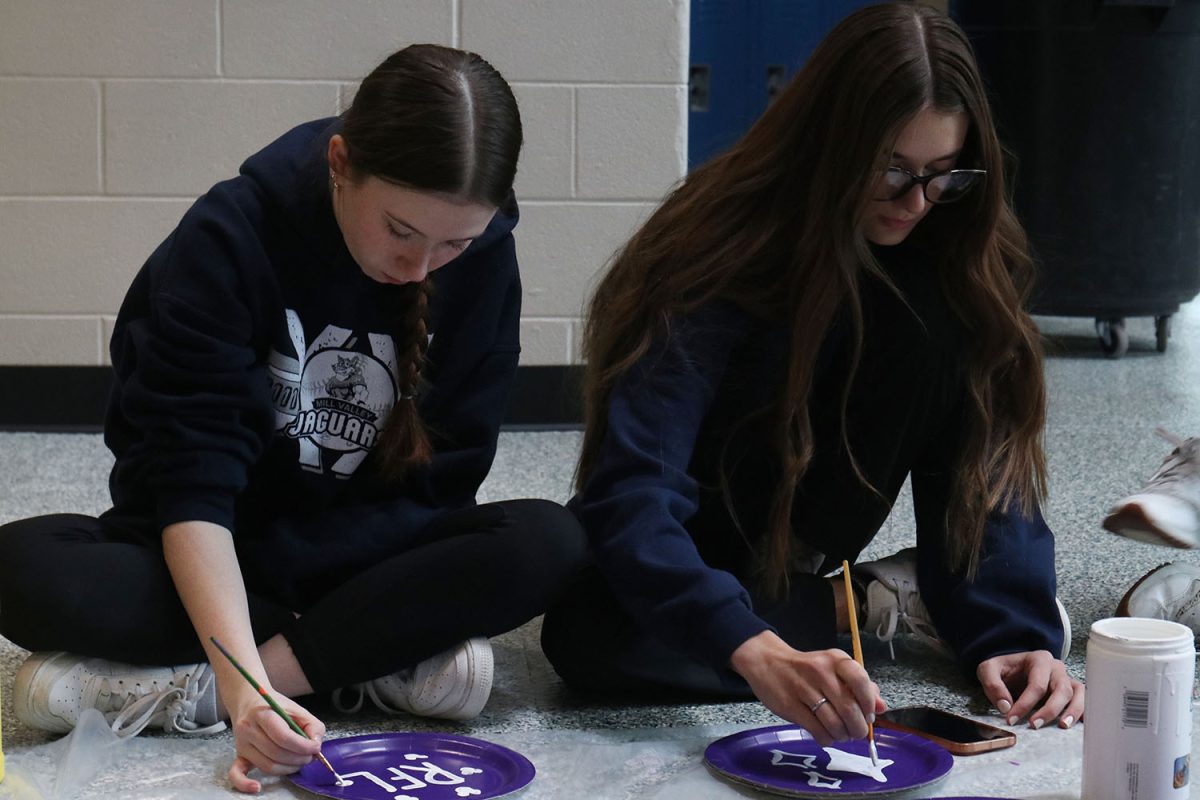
(278, 709)
(853, 614)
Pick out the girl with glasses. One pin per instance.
(828, 309)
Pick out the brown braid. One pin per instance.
(404, 442)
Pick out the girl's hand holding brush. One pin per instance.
(264, 740)
(266, 743)
(824, 691)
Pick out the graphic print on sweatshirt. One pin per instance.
(333, 396)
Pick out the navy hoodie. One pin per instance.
(255, 367)
(657, 514)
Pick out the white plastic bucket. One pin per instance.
(1137, 729)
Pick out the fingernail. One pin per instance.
(1038, 723)
(1068, 721)
(1004, 706)
(1012, 720)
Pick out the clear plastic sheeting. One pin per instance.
(647, 764)
(66, 767)
(94, 762)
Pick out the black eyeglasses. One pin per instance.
(939, 187)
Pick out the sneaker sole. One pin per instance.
(31, 674)
(1066, 623)
(1123, 606)
(1131, 522)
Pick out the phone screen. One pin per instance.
(945, 725)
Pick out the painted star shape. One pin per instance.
(841, 761)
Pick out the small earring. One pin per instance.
(333, 177)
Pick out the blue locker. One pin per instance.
(718, 109)
(742, 52)
(837, 10)
(788, 31)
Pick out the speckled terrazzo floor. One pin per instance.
(1100, 446)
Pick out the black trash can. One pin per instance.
(1099, 100)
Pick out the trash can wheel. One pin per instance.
(1114, 339)
(1162, 332)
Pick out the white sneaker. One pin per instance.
(1170, 591)
(452, 685)
(893, 597)
(51, 690)
(1166, 510)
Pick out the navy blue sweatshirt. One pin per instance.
(681, 563)
(255, 367)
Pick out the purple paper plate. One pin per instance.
(786, 760)
(416, 766)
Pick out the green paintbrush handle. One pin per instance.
(274, 706)
(270, 700)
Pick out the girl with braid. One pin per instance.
(310, 375)
(830, 309)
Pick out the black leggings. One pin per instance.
(595, 646)
(69, 582)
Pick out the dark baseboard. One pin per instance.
(53, 398)
(73, 398)
(546, 397)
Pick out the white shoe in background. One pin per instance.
(1166, 510)
(452, 685)
(1170, 591)
(892, 598)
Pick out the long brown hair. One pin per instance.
(442, 120)
(771, 225)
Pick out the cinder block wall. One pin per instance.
(116, 114)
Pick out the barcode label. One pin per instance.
(1135, 709)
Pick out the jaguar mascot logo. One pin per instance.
(333, 395)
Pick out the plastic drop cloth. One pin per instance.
(94, 762)
(647, 764)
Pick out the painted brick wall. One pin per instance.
(116, 114)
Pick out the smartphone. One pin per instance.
(960, 735)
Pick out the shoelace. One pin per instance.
(140, 705)
(911, 610)
(1179, 469)
(369, 691)
(1191, 598)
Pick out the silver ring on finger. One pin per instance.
(815, 707)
